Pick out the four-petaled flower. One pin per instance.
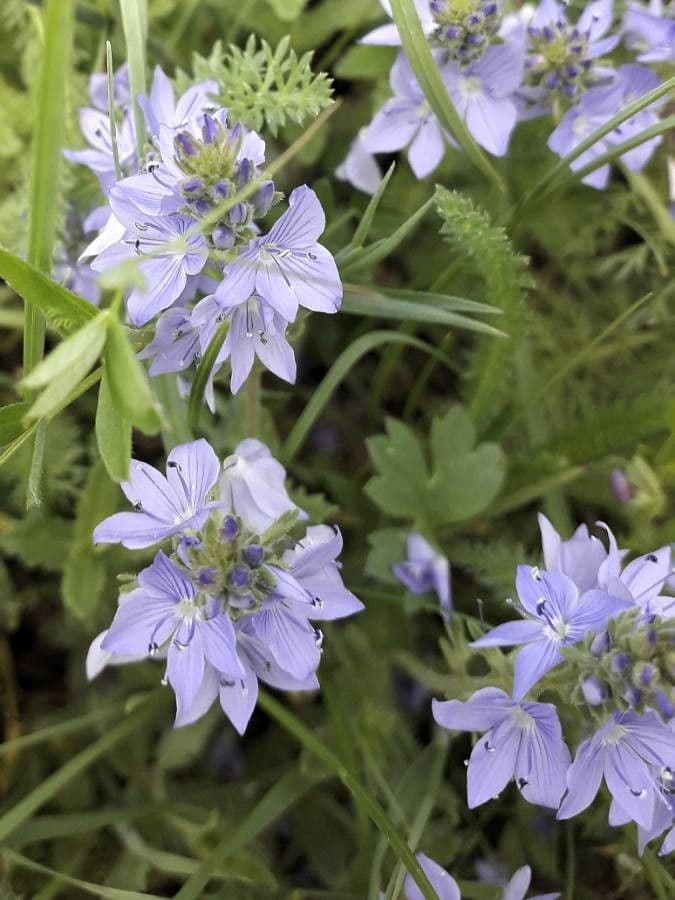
(556, 616)
(165, 609)
(286, 268)
(521, 741)
(164, 506)
(425, 570)
(633, 752)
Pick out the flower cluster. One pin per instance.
(187, 215)
(503, 66)
(599, 633)
(232, 597)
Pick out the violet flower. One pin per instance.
(388, 36)
(252, 485)
(165, 609)
(313, 564)
(441, 881)
(406, 120)
(555, 615)
(596, 107)
(256, 331)
(650, 32)
(174, 253)
(631, 751)
(521, 741)
(425, 570)
(161, 107)
(286, 268)
(95, 128)
(483, 94)
(164, 506)
(359, 167)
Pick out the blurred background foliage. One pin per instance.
(581, 385)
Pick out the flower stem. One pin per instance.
(252, 404)
(308, 739)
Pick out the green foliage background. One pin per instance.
(403, 416)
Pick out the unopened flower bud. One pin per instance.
(229, 529)
(600, 644)
(594, 690)
(254, 555)
(222, 237)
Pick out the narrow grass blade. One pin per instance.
(96, 890)
(380, 818)
(135, 26)
(373, 253)
(363, 228)
(286, 792)
(44, 792)
(362, 301)
(340, 368)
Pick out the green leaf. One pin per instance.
(461, 482)
(473, 236)
(64, 310)
(113, 434)
(364, 62)
(128, 382)
(264, 86)
(65, 367)
(425, 67)
(11, 421)
(465, 479)
(39, 541)
(287, 10)
(387, 546)
(86, 343)
(339, 370)
(363, 301)
(84, 573)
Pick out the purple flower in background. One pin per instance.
(645, 578)
(521, 741)
(583, 557)
(359, 167)
(165, 608)
(595, 108)
(164, 506)
(161, 107)
(95, 127)
(175, 344)
(174, 252)
(483, 95)
(406, 120)
(650, 32)
(252, 485)
(447, 889)
(256, 330)
(441, 881)
(631, 751)
(313, 564)
(519, 885)
(555, 616)
(425, 570)
(388, 36)
(98, 89)
(286, 268)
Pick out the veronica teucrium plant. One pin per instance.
(310, 314)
